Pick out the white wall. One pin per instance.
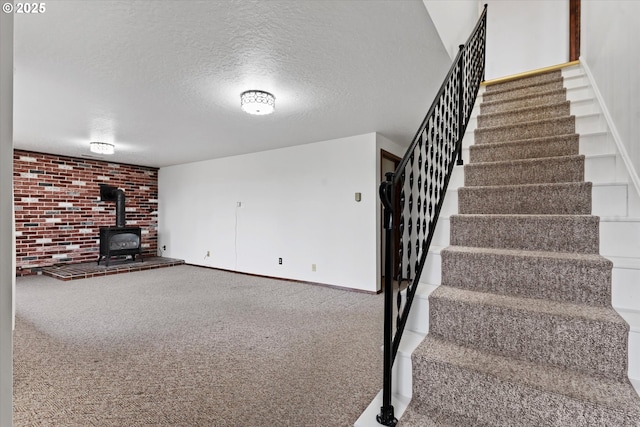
(7, 253)
(297, 204)
(525, 35)
(609, 35)
(454, 20)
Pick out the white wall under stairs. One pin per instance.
(614, 199)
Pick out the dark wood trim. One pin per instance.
(304, 282)
(384, 154)
(574, 30)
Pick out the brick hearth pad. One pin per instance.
(92, 269)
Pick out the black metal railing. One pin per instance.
(412, 196)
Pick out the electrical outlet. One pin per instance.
(208, 253)
(313, 267)
(280, 261)
(239, 205)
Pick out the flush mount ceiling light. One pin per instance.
(257, 102)
(102, 148)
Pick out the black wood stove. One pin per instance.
(119, 240)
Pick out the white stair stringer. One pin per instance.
(402, 373)
(616, 200)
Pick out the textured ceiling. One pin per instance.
(162, 79)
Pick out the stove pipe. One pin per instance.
(113, 194)
(120, 221)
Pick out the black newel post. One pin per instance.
(386, 416)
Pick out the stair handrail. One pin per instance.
(428, 163)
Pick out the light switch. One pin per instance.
(358, 197)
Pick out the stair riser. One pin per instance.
(633, 201)
(527, 115)
(450, 204)
(573, 234)
(574, 76)
(610, 200)
(525, 102)
(402, 375)
(540, 129)
(524, 82)
(620, 238)
(602, 169)
(502, 403)
(547, 199)
(473, 123)
(586, 282)
(573, 71)
(575, 81)
(505, 95)
(591, 123)
(596, 144)
(552, 170)
(442, 232)
(625, 291)
(584, 107)
(580, 93)
(418, 319)
(432, 272)
(533, 336)
(539, 148)
(457, 178)
(634, 355)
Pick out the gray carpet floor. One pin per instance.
(189, 346)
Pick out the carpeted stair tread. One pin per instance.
(554, 198)
(535, 88)
(526, 130)
(527, 114)
(534, 148)
(501, 391)
(591, 339)
(561, 233)
(557, 276)
(536, 99)
(525, 171)
(521, 329)
(524, 81)
(435, 417)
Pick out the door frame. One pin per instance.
(574, 30)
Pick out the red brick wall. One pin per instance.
(58, 212)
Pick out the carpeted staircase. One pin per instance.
(521, 331)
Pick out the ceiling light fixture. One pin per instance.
(257, 102)
(102, 148)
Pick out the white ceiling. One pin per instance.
(162, 79)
